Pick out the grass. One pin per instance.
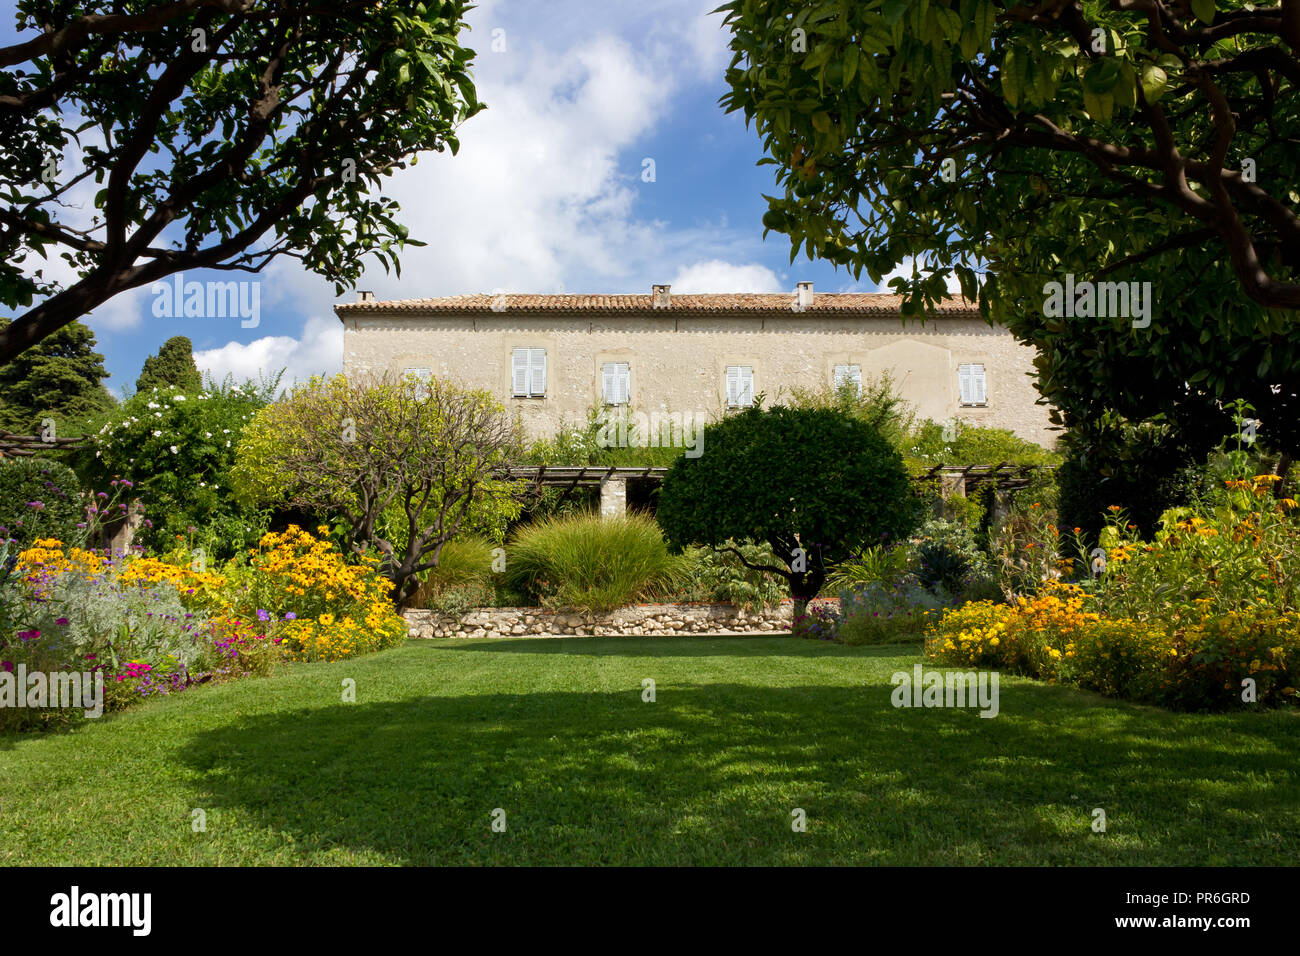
(589, 561)
(555, 733)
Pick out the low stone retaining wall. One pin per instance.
(651, 619)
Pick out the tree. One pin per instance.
(1135, 142)
(172, 367)
(814, 483)
(61, 379)
(405, 465)
(221, 135)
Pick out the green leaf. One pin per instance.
(850, 65)
(1015, 67)
(1100, 106)
(894, 10)
(949, 23)
(1204, 10)
(1154, 82)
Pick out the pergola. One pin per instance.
(612, 480)
(26, 446)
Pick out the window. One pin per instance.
(423, 374)
(615, 383)
(740, 386)
(528, 373)
(971, 386)
(847, 375)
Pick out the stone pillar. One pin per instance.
(613, 497)
(950, 484)
(122, 535)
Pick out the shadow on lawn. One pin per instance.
(710, 774)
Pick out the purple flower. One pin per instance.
(62, 622)
(290, 616)
(7, 665)
(262, 615)
(38, 505)
(29, 635)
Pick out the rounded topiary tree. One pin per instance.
(39, 498)
(814, 483)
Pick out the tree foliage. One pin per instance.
(172, 367)
(1144, 141)
(62, 379)
(219, 135)
(813, 483)
(405, 465)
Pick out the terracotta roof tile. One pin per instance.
(737, 303)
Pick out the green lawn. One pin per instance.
(555, 733)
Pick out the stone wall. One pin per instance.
(678, 360)
(640, 619)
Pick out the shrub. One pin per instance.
(880, 564)
(177, 448)
(1239, 551)
(934, 443)
(1141, 468)
(38, 499)
(720, 576)
(591, 562)
(888, 613)
(464, 570)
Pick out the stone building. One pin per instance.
(553, 358)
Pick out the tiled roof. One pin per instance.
(735, 303)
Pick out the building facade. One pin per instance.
(553, 358)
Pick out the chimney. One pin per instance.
(804, 297)
(365, 295)
(662, 296)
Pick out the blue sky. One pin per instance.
(547, 193)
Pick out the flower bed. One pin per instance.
(153, 625)
(1204, 616)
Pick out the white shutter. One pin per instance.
(537, 378)
(623, 382)
(733, 386)
(970, 384)
(519, 372)
(979, 389)
(746, 386)
(609, 383)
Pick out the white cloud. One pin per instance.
(718, 276)
(904, 270)
(544, 189)
(318, 350)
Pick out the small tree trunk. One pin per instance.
(804, 587)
